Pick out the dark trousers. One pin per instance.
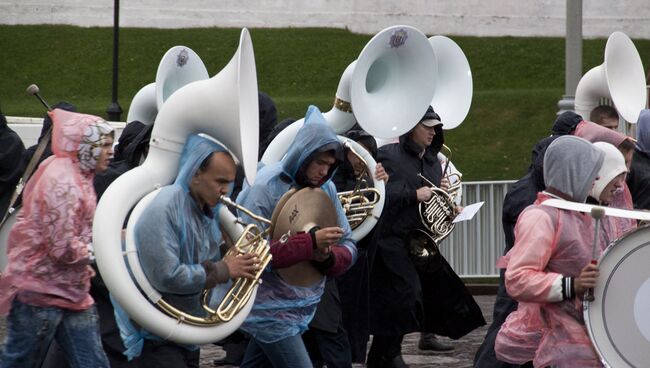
(165, 354)
(329, 348)
(386, 347)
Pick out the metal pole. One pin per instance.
(114, 110)
(573, 54)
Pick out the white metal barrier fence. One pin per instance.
(474, 246)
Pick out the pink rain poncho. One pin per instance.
(551, 244)
(48, 246)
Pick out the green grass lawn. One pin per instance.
(517, 81)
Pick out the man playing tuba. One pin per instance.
(178, 240)
(282, 311)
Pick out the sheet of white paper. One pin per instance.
(468, 212)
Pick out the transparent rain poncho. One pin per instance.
(551, 243)
(48, 246)
(282, 310)
(173, 236)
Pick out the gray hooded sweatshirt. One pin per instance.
(571, 165)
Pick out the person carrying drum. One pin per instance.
(282, 311)
(549, 269)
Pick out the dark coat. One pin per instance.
(403, 299)
(522, 194)
(639, 180)
(12, 164)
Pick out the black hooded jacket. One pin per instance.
(12, 163)
(402, 298)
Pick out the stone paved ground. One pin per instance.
(461, 357)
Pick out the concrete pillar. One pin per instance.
(573, 54)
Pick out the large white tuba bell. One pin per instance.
(453, 82)
(143, 106)
(179, 66)
(224, 107)
(619, 78)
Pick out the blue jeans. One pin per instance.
(286, 353)
(31, 329)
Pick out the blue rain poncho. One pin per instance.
(282, 310)
(173, 236)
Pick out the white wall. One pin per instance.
(449, 17)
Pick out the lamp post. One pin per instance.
(573, 54)
(114, 110)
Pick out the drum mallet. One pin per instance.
(33, 90)
(597, 213)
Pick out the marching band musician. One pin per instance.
(178, 239)
(639, 178)
(549, 268)
(282, 312)
(46, 285)
(522, 194)
(622, 198)
(403, 298)
(338, 334)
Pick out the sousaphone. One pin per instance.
(179, 66)
(384, 90)
(224, 107)
(620, 78)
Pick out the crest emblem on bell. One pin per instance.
(182, 58)
(398, 38)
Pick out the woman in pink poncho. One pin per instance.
(46, 283)
(548, 269)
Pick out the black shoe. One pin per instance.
(225, 362)
(395, 362)
(430, 342)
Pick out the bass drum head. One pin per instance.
(618, 320)
(4, 237)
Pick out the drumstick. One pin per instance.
(597, 213)
(33, 90)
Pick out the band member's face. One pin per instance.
(612, 188)
(105, 154)
(213, 182)
(609, 123)
(319, 167)
(423, 135)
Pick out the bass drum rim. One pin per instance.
(611, 321)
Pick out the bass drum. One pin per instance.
(4, 236)
(618, 320)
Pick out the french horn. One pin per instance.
(225, 107)
(363, 204)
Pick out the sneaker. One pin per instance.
(430, 342)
